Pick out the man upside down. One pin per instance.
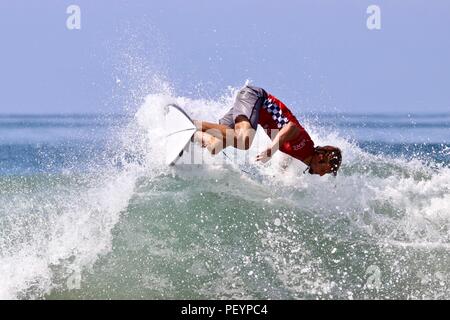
(253, 106)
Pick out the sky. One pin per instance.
(317, 55)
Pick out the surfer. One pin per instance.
(253, 106)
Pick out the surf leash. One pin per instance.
(239, 167)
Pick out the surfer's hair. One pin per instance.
(333, 156)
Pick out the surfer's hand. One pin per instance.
(264, 156)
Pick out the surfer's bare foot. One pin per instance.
(198, 137)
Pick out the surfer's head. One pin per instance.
(325, 160)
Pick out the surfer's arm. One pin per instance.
(287, 133)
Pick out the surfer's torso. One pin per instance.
(274, 115)
(266, 110)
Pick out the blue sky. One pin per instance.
(315, 55)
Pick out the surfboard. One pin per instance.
(180, 129)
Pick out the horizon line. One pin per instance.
(343, 113)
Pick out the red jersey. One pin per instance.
(273, 116)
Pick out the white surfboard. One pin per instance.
(180, 129)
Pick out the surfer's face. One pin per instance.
(320, 165)
(325, 160)
(321, 169)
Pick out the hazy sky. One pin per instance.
(315, 55)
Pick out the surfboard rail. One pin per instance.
(179, 130)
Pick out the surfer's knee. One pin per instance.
(244, 139)
(244, 133)
(215, 146)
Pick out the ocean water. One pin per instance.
(88, 210)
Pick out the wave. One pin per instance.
(229, 228)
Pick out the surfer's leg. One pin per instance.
(244, 133)
(223, 133)
(214, 129)
(245, 115)
(241, 137)
(209, 141)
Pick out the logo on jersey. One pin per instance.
(299, 146)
